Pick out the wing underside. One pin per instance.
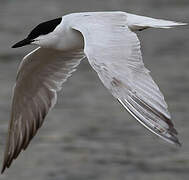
(41, 74)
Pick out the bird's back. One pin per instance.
(134, 22)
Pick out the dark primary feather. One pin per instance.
(151, 118)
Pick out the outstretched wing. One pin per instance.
(41, 74)
(113, 50)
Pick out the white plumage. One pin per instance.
(109, 42)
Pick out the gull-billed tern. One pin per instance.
(109, 42)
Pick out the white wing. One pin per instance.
(113, 50)
(40, 76)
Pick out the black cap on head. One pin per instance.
(42, 29)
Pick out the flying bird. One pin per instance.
(109, 41)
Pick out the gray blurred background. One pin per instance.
(88, 135)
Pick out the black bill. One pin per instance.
(22, 43)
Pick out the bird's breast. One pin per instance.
(69, 39)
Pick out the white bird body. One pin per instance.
(109, 42)
(64, 37)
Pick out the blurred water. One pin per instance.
(88, 135)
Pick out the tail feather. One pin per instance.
(137, 23)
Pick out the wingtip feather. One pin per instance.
(3, 169)
(169, 136)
